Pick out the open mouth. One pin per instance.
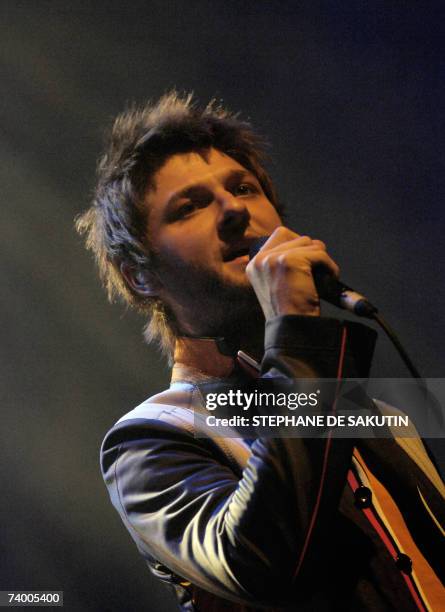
(236, 254)
(238, 250)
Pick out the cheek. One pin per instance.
(190, 245)
(196, 235)
(268, 218)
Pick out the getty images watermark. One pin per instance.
(370, 408)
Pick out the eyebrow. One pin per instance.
(232, 177)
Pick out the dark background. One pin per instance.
(351, 97)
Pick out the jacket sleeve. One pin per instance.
(250, 537)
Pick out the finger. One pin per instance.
(301, 241)
(311, 256)
(320, 257)
(280, 235)
(319, 244)
(294, 242)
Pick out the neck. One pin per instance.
(241, 333)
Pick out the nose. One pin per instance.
(234, 216)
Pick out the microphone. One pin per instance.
(331, 289)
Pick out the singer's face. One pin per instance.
(204, 213)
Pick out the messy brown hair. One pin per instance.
(140, 142)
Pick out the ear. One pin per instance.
(143, 282)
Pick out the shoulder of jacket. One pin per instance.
(179, 409)
(174, 406)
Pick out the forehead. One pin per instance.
(186, 169)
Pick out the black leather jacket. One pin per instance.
(272, 525)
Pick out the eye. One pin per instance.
(191, 205)
(186, 209)
(244, 189)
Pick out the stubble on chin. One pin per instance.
(216, 305)
(233, 307)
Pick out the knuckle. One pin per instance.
(320, 244)
(282, 260)
(283, 232)
(257, 263)
(266, 262)
(304, 241)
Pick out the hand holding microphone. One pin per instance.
(281, 273)
(289, 274)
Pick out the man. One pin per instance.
(234, 524)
